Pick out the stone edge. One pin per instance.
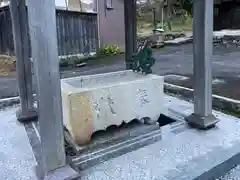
(7, 102)
(219, 102)
(189, 39)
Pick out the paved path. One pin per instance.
(17, 161)
(170, 60)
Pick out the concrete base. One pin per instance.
(64, 173)
(158, 40)
(201, 122)
(26, 115)
(117, 146)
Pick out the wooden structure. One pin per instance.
(77, 32)
(42, 25)
(26, 111)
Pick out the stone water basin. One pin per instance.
(95, 102)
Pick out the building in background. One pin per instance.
(77, 32)
(4, 3)
(82, 25)
(111, 28)
(111, 22)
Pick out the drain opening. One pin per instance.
(164, 120)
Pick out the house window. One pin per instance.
(109, 4)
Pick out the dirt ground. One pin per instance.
(169, 60)
(7, 65)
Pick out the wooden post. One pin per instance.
(134, 22)
(24, 74)
(202, 56)
(130, 30)
(42, 25)
(154, 19)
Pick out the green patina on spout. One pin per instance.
(143, 60)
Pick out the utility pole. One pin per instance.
(27, 111)
(42, 25)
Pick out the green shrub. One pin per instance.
(109, 50)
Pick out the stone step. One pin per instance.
(112, 136)
(121, 143)
(90, 159)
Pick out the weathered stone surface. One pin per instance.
(95, 102)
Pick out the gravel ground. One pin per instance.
(170, 60)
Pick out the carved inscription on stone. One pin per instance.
(142, 98)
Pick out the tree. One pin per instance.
(188, 5)
(170, 9)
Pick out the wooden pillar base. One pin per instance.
(202, 122)
(25, 116)
(63, 173)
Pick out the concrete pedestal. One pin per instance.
(63, 173)
(26, 115)
(157, 40)
(202, 122)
